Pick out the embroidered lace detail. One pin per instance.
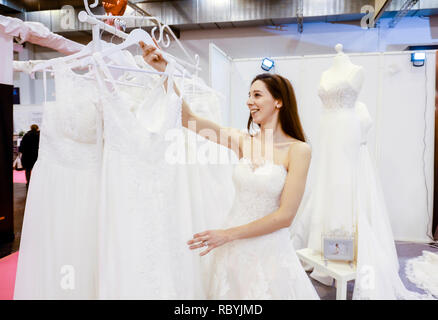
(68, 131)
(422, 271)
(341, 96)
(145, 181)
(264, 267)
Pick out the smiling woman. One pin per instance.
(275, 90)
(254, 257)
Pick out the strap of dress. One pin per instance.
(98, 61)
(171, 114)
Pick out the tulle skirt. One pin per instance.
(57, 257)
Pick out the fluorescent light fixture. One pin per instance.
(267, 64)
(418, 59)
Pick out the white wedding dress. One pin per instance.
(145, 216)
(422, 271)
(57, 255)
(264, 267)
(346, 196)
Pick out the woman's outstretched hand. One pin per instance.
(153, 58)
(210, 239)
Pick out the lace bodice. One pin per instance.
(340, 93)
(77, 102)
(69, 127)
(258, 190)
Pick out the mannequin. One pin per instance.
(347, 196)
(342, 69)
(339, 149)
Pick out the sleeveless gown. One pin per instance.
(346, 196)
(264, 267)
(57, 255)
(145, 210)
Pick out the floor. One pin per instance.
(405, 250)
(19, 203)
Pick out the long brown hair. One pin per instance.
(281, 89)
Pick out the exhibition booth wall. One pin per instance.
(400, 100)
(399, 97)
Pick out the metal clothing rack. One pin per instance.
(97, 24)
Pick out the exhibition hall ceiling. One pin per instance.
(218, 14)
(36, 5)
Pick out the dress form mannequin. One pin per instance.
(346, 195)
(342, 69)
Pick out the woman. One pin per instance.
(254, 256)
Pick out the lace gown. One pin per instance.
(264, 267)
(422, 271)
(57, 256)
(144, 215)
(347, 197)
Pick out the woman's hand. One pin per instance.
(211, 239)
(154, 59)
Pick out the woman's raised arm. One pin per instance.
(228, 137)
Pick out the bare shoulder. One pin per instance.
(300, 147)
(299, 151)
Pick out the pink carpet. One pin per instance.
(8, 268)
(19, 176)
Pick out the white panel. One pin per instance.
(405, 158)
(26, 115)
(395, 94)
(241, 76)
(219, 71)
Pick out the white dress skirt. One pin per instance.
(57, 255)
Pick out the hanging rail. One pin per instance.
(93, 19)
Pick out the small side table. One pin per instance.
(341, 271)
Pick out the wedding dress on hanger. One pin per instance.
(205, 166)
(57, 256)
(346, 194)
(145, 211)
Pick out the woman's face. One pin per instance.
(261, 103)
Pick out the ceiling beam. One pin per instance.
(404, 10)
(380, 7)
(14, 6)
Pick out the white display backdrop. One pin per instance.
(27, 115)
(220, 67)
(400, 99)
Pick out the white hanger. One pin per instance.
(49, 63)
(134, 37)
(91, 18)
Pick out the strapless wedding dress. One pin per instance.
(264, 267)
(346, 197)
